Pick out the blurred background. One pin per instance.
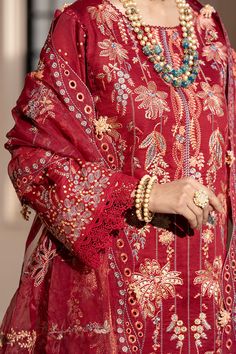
(23, 28)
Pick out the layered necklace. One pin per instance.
(187, 73)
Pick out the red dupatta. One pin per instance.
(53, 139)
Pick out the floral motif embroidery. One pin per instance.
(205, 23)
(59, 333)
(101, 126)
(207, 11)
(197, 161)
(24, 339)
(137, 238)
(216, 146)
(113, 50)
(41, 261)
(208, 237)
(177, 326)
(209, 279)
(153, 101)
(223, 317)
(40, 106)
(166, 238)
(104, 15)
(213, 98)
(153, 284)
(199, 327)
(156, 149)
(216, 51)
(39, 73)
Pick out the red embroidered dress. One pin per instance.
(90, 122)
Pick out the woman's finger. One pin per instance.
(213, 200)
(191, 217)
(198, 213)
(206, 212)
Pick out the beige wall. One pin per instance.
(13, 229)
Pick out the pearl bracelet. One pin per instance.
(146, 212)
(140, 194)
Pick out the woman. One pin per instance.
(124, 146)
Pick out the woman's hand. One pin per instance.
(177, 198)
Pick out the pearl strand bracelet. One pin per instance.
(146, 212)
(139, 197)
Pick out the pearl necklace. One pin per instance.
(187, 73)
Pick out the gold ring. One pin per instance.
(201, 198)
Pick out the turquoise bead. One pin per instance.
(167, 78)
(157, 50)
(167, 68)
(147, 51)
(176, 73)
(184, 68)
(185, 84)
(186, 60)
(195, 70)
(195, 55)
(192, 78)
(177, 83)
(185, 43)
(158, 68)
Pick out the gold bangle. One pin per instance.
(140, 193)
(148, 215)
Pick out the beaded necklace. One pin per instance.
(187, 73)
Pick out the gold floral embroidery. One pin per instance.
(39, 73)
(212, 97)
(223, 317)
(166, 238)
(207, 237)
(104, 15)
(24, 339)
(199, 327)
(153, 101)
(153, 284)
(113, 50)
(101, 126)
(207, 11)
(177, 326)
(215, 51)
(209, 279)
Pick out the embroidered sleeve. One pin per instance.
(57, 167)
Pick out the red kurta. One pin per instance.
(90, 122)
